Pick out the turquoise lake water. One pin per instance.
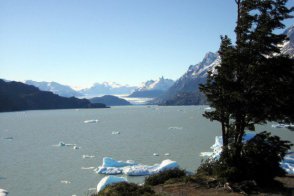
(31, 164)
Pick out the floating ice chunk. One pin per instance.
(91, 121)
(65, 182)
(85, 156)
(110, 162)
(288, 163)
(167, 154)
(207, 108)
(3, 192)
(155, 154)
(110, 170)
(115, 132)
(75, 147)
(88, 168)
(281, 125)
(166, 165)
(206, 154)
(108, 180)
(61, 144)
(134, 169)
(8, 138)
(176, 128)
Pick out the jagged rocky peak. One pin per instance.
(290, 32)
(159, 84)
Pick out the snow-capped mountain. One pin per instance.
(56, 88)
(185, 90)
(153, 88)
(160, 84)
(107, 88)
(288, 46)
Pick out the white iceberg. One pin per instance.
(288, 163)
(88, 168)
(281, 125)
(115, 132)
(65, 182)
(110, 162)
(85, 156)
(130, 168)
(167, 154)
(155, 154)
(108, 180)
(91, 121)
(175, 128)
(3, 192)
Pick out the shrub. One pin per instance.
(164, 176)
(125, 189)
(259, 161)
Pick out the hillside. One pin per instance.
(15, 96)
(110, 100)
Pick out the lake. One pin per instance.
(32, 164)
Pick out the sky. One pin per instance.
(81, 42)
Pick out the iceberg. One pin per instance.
(108, 180)
(65, 182)
(280, 125)
(3, 192)
(85, 156)
(288, 163)
(110, 162)
(115, 132)
(176, 128)
(91, 121)
(131, 168)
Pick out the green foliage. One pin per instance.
(252, 86)
(125, 189)
(164, 176)
(259, 161)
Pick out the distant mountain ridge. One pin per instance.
(110, 100)
(107, 88)
(15, 96)
(54, 87)
(185, 90)
(153, 88)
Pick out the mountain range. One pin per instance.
(185, 91)
(107, 88)
(15, 96)
(54, 87)
(153, 88)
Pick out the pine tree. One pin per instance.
(254, 83)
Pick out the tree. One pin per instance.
(254, 82)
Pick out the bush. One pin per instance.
(259, 161)
(164, 176)
(125, 189)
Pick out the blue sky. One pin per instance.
(79, 42)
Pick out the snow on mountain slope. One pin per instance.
(56, 88)
(107, 88)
